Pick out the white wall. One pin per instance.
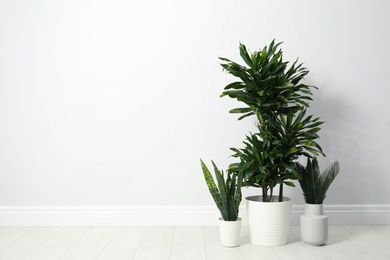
(114, 102)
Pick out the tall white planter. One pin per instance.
(229, 232)
(314, 225)
(269, 222)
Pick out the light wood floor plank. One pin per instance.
(124, 244)
(294, 250)
(352, 245)
(374, 237)
(384, 229)
(8, 235)
(188, 244)
(250, 251)
(156, 244)
(214, 250)
(91, 244)
(57, 245)
(330, 250)
(27, 243)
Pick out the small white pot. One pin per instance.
(229, 232)
(269, 222)
(314, 225)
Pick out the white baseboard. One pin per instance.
(172, 215)
(109, 216)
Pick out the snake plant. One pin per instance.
(315, 184)
(226, 192)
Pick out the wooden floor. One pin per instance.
(181, 243)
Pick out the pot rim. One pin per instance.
(238, 220)
(257, 198)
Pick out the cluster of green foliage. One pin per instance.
(273, 92)
(315, 184)
(266, 85)
(226, 193)
(268, 156)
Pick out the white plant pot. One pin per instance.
(269, 222)
(314, 225)
(229, 232)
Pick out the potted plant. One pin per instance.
(273, 93)
(227, 196)
(314, 184)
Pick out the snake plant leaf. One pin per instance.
(238, 194)
(215, 193)
(221, 187)
(226, 192)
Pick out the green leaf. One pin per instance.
(289, 183)
(291, 151)
(246, 115)
(220, 182)
(235, 85)
(224, 59)
(315, 184)
(227, 192)
(241, 110)
(213, 189)
(245, 56)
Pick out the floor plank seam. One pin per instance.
(113, 235)
(35, 249)
(364, 238)
(204, 243)
(18, 238)
(75, 243)
(170, 250)
(140, 242)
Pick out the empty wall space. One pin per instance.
(107, 106)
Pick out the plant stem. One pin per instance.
(281, 192)
(264, 194)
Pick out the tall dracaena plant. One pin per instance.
(266, 85)
(273, 93)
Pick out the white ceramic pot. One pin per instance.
(229, 232)
(314, 225)
(269, 222)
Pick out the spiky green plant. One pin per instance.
(315, 184)
(226, 193)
